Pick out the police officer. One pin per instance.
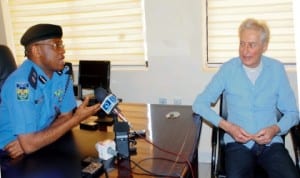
(37, 100)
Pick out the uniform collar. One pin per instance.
(38, 70)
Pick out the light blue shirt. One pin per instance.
(251, 106)
(30, 101)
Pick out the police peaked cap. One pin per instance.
(41, 32)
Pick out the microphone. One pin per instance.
(108, 102)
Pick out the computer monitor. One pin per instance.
(93, 74)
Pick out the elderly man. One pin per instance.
(255, 87)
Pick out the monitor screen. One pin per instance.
(93, 74)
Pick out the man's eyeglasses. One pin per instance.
(55, 46)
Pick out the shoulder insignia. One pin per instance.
(22, 90)
(32, 78)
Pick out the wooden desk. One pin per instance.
(178, 137)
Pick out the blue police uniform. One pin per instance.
(30, 101)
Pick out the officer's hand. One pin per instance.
(84, 111)
(14, 149)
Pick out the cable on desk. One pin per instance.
(160, 158)
(137, 164)
(172, 153)
(148, 173)
(166, 151)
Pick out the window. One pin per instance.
(93, 29)
(223, 20)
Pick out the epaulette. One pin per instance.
(32, 78)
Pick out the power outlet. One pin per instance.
(177, 101)
(162, 100)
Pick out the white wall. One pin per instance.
(176, 70)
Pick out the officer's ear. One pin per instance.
(34, 51)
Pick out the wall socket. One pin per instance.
(177, 101)
(162, 100)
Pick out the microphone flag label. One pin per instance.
(109, 103)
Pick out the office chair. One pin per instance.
(7, 63)
(218, 146)
(295, 135)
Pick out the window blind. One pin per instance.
(225, 16)
(93, 29)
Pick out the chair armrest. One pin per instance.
(214, 151)
(295, 135)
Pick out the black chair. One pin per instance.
(295, 135)
(218, 147)
(7, 63)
